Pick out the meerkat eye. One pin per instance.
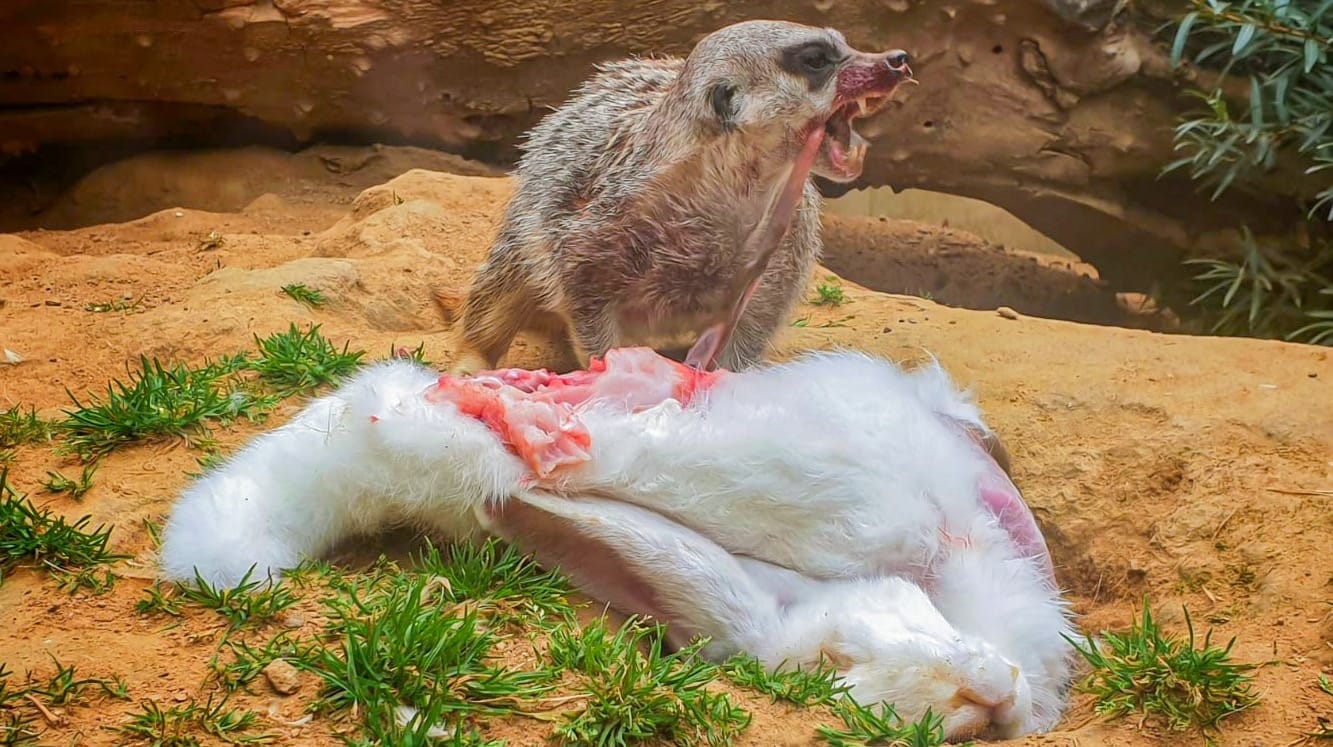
(815, 59)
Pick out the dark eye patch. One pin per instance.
(816, 61)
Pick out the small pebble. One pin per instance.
(52, 303)
(1006, 312)
(282, 677)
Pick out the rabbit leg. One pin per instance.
(371, 454)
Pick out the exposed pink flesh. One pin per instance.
(760, 245)
(1002, 498)
(535, 413)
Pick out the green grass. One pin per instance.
(159, 600)
(800, 687)
(58, 483)
(398, 640)
(295, 362)
(20, 428)
(178, 726)
(497, 579)
(1323, 724)
(29, 534)
(247, 662)
(865, 726)
(829, 293)
(161, 401)
(635, 696)
(308, 296)
(1152, 672)
(249, 601)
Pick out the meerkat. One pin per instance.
(672, 197)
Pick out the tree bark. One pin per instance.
(1045, 107)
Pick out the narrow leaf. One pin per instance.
(1311, 54)
(1182, 35)
(1256, 102)
(1243, 39)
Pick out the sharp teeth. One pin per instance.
(861, 102)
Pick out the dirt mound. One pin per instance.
(1186, 469)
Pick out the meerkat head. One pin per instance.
(785, 81)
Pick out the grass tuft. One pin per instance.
(241, 604)
(635, 696)
(1323, 724)
(864, 726)
(495, 578)
(160, 401)
(20, 428)
(403, 648)
(178, 726)
(308, 296)
(58, 483)
(295, 362)
(803, 688)
(1148, 670)
(30, 534)
(829, 293)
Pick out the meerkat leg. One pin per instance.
(593, 330)
(497, 305)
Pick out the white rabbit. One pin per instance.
(833, 506)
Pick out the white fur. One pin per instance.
(799, 509)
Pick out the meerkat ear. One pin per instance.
(722, 98)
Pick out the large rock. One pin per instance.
(1048, 108)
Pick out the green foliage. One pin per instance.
(58, 483)
(30, 534)
(19, 428)
(409, 661)
(865, 727)
(829, 293)
(295, 362)
(1145, 669)
(801, 687)
(1282, 49)
(179, 725)
(249, 601)
(635, 696)
(1268, 294)
(178, 401)
(308, 296)
(1324, 724)
(160, 401)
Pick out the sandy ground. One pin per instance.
(1186, 469)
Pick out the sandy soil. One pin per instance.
(1186, 469)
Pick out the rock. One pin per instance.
(282, 677)
(1006, 312)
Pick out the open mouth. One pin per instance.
(844, 148)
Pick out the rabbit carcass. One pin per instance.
(831, 507)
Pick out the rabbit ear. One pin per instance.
(641, 564)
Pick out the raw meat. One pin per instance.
(536, 413)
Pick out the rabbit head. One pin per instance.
(886, 638)
(892, 645)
